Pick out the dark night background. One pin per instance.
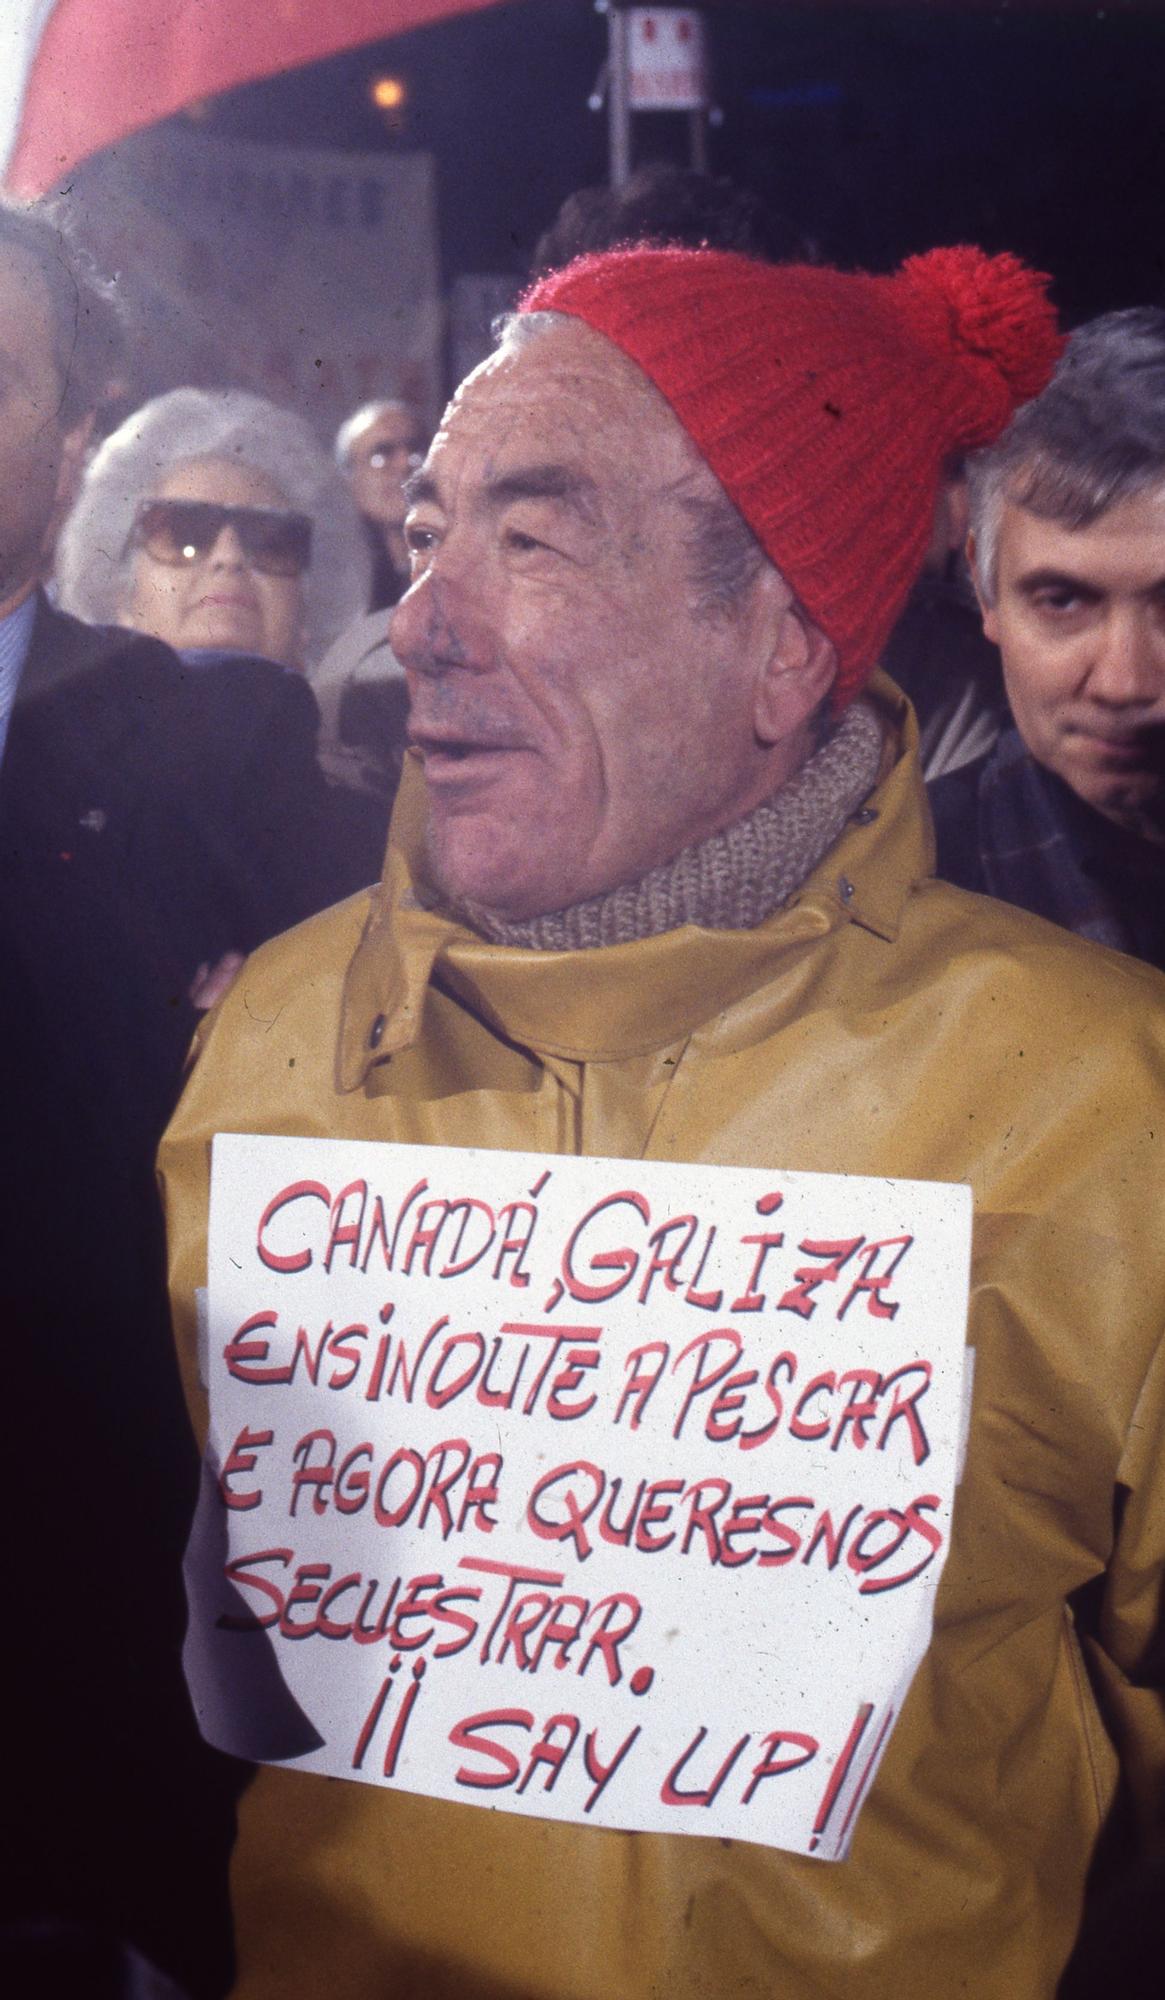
(876, 130)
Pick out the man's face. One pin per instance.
(31, 439)
(380, 458)
(1079, 619)
(579, 720)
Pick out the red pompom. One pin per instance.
(998, 309)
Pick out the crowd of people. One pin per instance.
(661, 881)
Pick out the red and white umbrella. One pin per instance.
(76, 75)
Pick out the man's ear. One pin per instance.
(798, 663)
(986, 611)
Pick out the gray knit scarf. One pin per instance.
(734, 879)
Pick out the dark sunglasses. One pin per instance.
(181, 531)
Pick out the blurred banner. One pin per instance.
(309, 276)
(21, 28)
(76, 75)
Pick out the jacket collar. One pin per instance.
(607, 1004)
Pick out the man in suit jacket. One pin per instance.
(152, 817)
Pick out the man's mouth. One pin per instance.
(1125, 747)
(449, 756)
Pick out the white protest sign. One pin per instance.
(597, 1490)
(308, 275)
(667, 70)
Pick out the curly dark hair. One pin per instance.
(664, 204)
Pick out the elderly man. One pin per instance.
(660, 886)
(120, 1820)
(151, 817)
(377, 447)
(1066, 816)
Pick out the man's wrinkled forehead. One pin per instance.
(567, 403)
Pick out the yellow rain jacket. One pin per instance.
(881, 1023)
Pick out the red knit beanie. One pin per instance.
(826, 404)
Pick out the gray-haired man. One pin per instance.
(1066, 816)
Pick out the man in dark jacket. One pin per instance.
(153, 817)
(1066, 816)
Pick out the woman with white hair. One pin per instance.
(212, 519)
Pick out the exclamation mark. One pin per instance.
(871, 1762)
(840, 1772)
(375, 1713)
(402, 1715)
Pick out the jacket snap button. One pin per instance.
(376, 1032)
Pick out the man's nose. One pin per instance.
(1130, 663)
(437, 628)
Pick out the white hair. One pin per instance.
(1093, 438)
(95, 553)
